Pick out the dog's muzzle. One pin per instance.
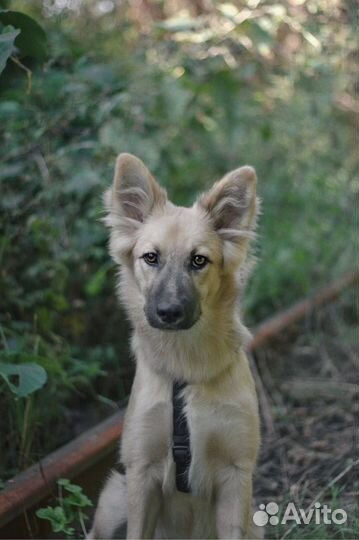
(173, 315)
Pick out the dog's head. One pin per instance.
(182, 261)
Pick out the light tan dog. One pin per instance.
(180, 277)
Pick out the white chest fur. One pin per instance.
(222, 418)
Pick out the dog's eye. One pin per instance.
(199, 261)
(150, 258)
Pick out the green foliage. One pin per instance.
(20, 35)
(30, 377)
(32, 39)
(7, 40)
(69, 511)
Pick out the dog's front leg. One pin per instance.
(233, 504)
(144, 502)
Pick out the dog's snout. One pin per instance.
(172, 302)
(170, 313)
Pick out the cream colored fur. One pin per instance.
(221, 402)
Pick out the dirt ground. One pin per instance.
(310, 420)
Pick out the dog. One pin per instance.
(181, 275)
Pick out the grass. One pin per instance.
(310, 456)
(316, 528)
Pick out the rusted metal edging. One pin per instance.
(38, 481)
(274, 325)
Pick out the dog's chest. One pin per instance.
(214, 429)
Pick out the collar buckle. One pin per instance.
(181, 453)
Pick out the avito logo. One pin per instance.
(268, 513)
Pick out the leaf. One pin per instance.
(76, 497)
(7, 40)
(9, 109)
(63, 482)
(79, 500)
(66, 484)
(96, 282)
(45, 513)
(32, 40)
(56, 515)
(31, 377)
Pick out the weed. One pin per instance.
(68, 515)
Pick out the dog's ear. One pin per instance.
(132, 197)
(134, 192)
(232, 205)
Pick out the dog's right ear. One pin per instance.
(131, 199)
(134, 192)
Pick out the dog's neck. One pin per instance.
(197, 355)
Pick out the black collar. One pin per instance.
(181, 448)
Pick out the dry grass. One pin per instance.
(310, 376)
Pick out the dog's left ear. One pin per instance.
(232, 204)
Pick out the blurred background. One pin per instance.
(194, 88)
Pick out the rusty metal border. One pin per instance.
(274, 325)
(35, 483)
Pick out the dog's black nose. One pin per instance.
(170, 313)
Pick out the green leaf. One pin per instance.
(73, 488)
(56, 515)
(45, 513)
(63, 482)
(7, 40)
(32, 40)
(78, 499)
(96, 282)
(30, 377)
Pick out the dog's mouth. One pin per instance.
(181, 325)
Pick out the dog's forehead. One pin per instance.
(177, 228)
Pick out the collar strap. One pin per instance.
(181, 448)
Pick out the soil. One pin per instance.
(309, 379)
